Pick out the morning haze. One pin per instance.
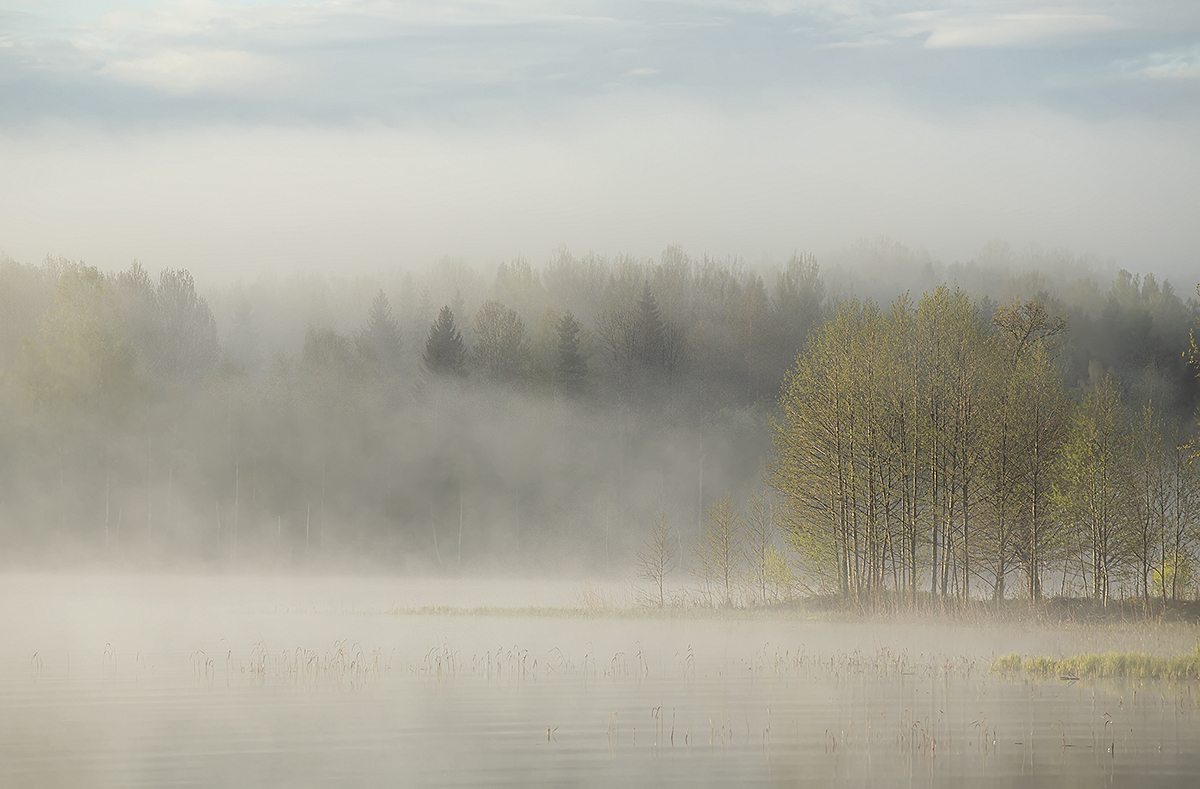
(597, 393)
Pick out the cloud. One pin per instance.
(1178, 64)
(1015, 30)
(331, 131)
(181, 72)
(345, 60)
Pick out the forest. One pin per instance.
(1023, 427)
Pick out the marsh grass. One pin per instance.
(1114, 665)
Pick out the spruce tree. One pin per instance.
(382, 333)
(649, 330)
(570, 369)
(445, 353)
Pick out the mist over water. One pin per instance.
(605, 393)
(322, 534)
(155, 680)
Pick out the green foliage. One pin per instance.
(760, 538)
(1008, 664)
(1088, 492)
(80, 358)
(951, 434)
(780, 578)
(923, 444)
(717, 558)
(26, 294)
(1108, 665)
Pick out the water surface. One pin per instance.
(224, 681)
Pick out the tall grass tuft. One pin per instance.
(1119, 665)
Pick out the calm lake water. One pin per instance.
(222, 681)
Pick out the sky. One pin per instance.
(237, 137)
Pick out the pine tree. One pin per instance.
(382, 333)
(570, 369)
(650, 330)
(445, 353)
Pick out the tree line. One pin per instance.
(130, 421)
(534, 418)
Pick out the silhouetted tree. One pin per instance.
(382, 334)
(445, 353)
(649, 348)
(570, 370)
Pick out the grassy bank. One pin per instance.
(1117, 665)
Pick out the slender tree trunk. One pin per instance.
(966, 545)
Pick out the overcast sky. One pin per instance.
(351, 136)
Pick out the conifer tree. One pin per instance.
(382, 333)
(650, 330)
(570, 369)
(445, 354)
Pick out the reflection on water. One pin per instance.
(228, 682)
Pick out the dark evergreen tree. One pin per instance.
(445, 353)
(650, 331)
(382, 334)
(570, 368)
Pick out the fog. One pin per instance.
(536, 418)
(161, 679)
(666, 393)
(230, 139)
(628, 175)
